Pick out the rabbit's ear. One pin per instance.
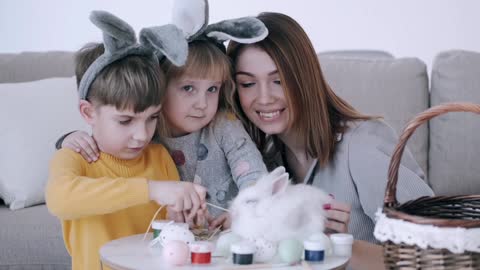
(242, 30)
(279, 184)
(117, 34)
(191, 16)
(166, 40)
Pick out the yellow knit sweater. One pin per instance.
(104, 200)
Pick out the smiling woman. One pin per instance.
(298, 121)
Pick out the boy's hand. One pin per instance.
(199, 219)
(177, 216)
(180, 196)
(81, 142)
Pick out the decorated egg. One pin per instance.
(225, 242)
(175, 232)
(264, 250)
(290, 250)
(176, 252)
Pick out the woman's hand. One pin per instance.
(81, 142)
(338, 214)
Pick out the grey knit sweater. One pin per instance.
(358, 174)
(221, 157)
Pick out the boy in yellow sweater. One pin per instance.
(121, 88)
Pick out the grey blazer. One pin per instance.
(358, 174)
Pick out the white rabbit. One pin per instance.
(274, 210)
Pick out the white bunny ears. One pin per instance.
(120, 41)
(192, 17)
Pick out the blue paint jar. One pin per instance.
(314, 250)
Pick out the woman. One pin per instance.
(298, 121)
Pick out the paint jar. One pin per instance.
(201, 252)
(314, 250)
(157, 226)
(342, 244)
(242, 252)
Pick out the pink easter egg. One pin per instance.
(176, 253)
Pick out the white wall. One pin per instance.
(420, 28)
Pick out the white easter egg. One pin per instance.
(175, 232)
(225, 242)
(264, 250)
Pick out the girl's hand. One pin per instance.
(81, 142)
(338, 214)
(223, 220)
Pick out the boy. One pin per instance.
(118, 195)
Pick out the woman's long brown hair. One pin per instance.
(317, 113)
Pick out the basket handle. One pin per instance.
(390, 199)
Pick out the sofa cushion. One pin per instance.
(396, 89)
(454, 137)
(32, 66)
(31, 239)
(38, 113)
(366, 54)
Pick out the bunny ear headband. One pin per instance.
(192, 17)
(120, 41)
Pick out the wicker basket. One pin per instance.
(457, 216)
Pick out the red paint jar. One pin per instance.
(201, 252)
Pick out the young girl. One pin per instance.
(208, 143)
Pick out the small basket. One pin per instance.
(440, 232)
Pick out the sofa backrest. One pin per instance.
(376, 84)
(32, 66)
(454, 166)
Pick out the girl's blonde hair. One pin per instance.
(317, 113)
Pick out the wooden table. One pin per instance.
(132, 252)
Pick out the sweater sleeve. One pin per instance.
(370, 149)
(70, 194)
(244, 159)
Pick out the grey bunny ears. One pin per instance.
(190, 23)
(120, 41)
(192, 17)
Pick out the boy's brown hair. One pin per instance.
(134, 82)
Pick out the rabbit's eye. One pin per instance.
(252, 201)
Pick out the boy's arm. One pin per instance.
(244, 159)
(70, 195)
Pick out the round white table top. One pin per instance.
(132, 252)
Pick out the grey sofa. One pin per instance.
(374, 82)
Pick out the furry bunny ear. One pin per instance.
(279, 183)
(242, 30)
(278, 180)
(166, 40)
(278, 171)
(117, 34)
(191, 16)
